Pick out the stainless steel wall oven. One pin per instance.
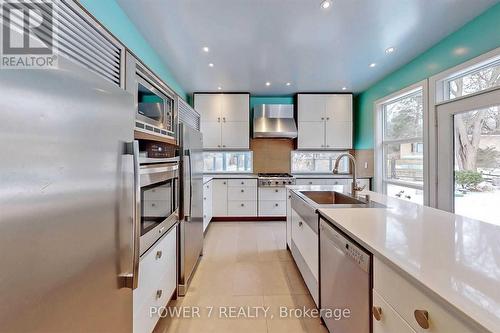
(159, 199)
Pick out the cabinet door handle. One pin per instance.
(276, 205)
(327, 118)
(218, 146)
(242, 205)
(224, 183)
(218, 119)
(422, 318)
(377, 313)
(242, 183)
(204, 198)
(242, 191)
(153, 205)
(322, 118)
(158, 254)
(159, 293)
(276, 190)
(224, 119)
(224, 146)
(300, 223)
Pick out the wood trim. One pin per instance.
(151, 137)
(247, 218)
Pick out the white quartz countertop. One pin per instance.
(326, 175)
(209, 177)
(456, 258)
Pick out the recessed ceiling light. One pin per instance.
(210, 65)
(373, 64)
(344, 88)
(219, 88)
(390, 50)
(288, 84)
(325, 4)
(206, 49)
(268, 83)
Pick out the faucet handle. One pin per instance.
(359, 188)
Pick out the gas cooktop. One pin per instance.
(275, 179)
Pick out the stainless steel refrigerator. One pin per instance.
(66, 201)
(191, 207)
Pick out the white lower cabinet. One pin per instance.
(219, 197)
(413, 305)
(306, 253)
(272, 201)
(288, 218)
(387, 320)
(234, 197)
(157, 281)
(207, 204)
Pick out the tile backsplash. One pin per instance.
(271, 155)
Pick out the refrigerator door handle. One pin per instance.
(187, 217)
(131, 279)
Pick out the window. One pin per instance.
(473, 80)
(400, 153)
(228, 161)
(317, 162)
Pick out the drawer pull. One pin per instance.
(158, 255)
(242, 191)
(276, 190)
(242, 183)
(422, 318)
(377, 313)
(224, 183)
(300, 223)
(276, 205)
(153, 205)
(242, 205)
(204, 198)
(159, 293)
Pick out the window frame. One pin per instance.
(331, 161)
(437, 92)
(224, 170)
(380, 179)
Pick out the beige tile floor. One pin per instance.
(245, 265)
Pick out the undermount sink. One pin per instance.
(331, 198)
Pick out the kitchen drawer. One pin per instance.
(242, 182)
(272, 193)
(405, 298)
(159, 193)
(242, 208)
(156, 298)
(156, 207)
(272, 208)
(157, 271)
(242, 193)
(390, 321)
(322, 181)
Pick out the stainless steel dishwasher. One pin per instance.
(345, 282)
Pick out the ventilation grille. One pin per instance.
(188, 115)
(77, 37)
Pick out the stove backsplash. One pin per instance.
(271, 155)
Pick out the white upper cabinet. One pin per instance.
(338, 108)
(313, 107)
(235, 107)
(225, 120)
(209, 106)
(325, 121)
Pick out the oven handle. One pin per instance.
(137, 215)
(131, 280)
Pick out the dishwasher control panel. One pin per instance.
(350, 249)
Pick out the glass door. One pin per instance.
(468, 159)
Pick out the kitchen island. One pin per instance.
(431, 268)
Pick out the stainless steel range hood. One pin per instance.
(274, 121)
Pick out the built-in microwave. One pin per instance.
(155, 102)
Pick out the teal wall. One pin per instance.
(479, 36)
(112, 16)
(254, 100)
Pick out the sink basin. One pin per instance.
(331, 198)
